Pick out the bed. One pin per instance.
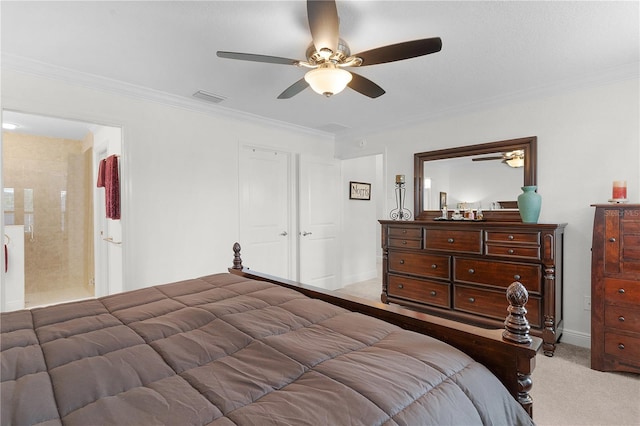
(244, 348)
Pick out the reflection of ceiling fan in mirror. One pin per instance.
(511, 158)
(328, 55)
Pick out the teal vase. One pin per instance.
(529, 203)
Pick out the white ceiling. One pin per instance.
(492, 52)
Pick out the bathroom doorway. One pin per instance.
(49, 193)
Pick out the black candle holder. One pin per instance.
(400, 213)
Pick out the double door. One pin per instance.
(290, 215)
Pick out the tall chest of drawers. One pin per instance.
(461, 269)
(615, 288)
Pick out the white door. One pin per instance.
(320, 207)
(108, 232)
(265, 225)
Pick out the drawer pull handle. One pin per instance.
(510, 237)
(620, 346)
(472, 271)
(434, 266)
(612, 240)
(472, 300)
(621, 290)
(404, 242)
(402, 261)
(510, 251)
(404, 231)
(400, 286)
(516, 277)
(433, 293)
(450, 240)
(621, 318)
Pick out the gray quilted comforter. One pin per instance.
(225, 350)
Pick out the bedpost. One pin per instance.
(237, 260)
(517, 330)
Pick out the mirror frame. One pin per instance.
(528, 144)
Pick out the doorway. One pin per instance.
(48, 194)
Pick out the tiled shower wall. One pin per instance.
(58, 253)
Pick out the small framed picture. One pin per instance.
(443, 200)
(359, 191)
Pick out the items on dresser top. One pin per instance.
(460, 270)
(615, 288)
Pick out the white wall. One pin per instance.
(586, 139)
(179, 172)
(361, 230)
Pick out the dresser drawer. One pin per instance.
(423, 291)
(500, 274)
(513, 251)
(622, 317)
(492, 304)
(402, 243)
(513, 237)
(621, 291)
(456, 241)
(622, 346)
(405, 232)
(428, 265)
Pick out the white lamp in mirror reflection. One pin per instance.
(328, 79)
(516, 162)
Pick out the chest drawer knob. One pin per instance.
(404, 231)
(471, 271)
(400, 286)
(433, 293)
(510, 237)
(510, 251)
(404, 242)
(612, 240)
(621, 318)
(472, 299)
(620, 346)
(621, 290)
(450, 240)
(402, 261)
(434, 266)
(517, 277)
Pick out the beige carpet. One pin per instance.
(565, 390)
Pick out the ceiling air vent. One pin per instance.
(209, 97)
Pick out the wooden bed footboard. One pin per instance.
(509, 353)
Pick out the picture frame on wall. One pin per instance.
(359, 191)
(443, 200)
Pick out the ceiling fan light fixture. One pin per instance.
(328, 79)
(515, 162)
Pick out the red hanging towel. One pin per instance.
(112, 187)
(101, 168)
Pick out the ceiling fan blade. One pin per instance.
(294, 89)
(400, 51)
(257, 58)
(365, 86)
(487, 158)
(323, 23)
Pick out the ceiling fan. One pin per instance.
(328, 55)
(512, 158)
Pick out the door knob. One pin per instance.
(284, 233)
(305, 233)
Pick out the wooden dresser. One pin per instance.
(461, 269)
(615, 288)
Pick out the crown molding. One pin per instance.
(609, 76)
(66, 75)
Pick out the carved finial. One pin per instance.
(516, 325)
(237, 261)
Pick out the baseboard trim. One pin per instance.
(356, 278)
(576, 338)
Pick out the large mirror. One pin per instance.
(486, 176)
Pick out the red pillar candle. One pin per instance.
(619, 189)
